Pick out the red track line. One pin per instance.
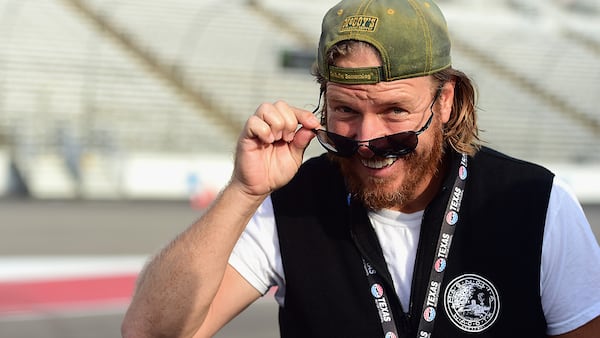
(46, 295)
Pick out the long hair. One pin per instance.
(460, 132)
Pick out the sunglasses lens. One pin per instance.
(388, 146)
(335, 143)
(394, 145)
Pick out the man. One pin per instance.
(406, 228)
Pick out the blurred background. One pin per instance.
(118, 121)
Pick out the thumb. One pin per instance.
(302, 139)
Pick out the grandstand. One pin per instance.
(90, 88)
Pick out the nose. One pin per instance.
(364, 150)
(370, 127)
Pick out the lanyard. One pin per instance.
(429, 309)
(381, 301)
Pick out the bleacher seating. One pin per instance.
(516, 120)
(62, 75)
(221, 48)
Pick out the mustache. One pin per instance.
(381, 193)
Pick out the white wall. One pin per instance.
(160, 176)
(200, 177)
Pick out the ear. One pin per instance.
(446, 100)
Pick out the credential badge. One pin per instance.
(472, 303)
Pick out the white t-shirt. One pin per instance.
(570, 268)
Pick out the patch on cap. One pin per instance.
(367, 75)
(359, 23)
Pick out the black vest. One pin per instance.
(491, 284)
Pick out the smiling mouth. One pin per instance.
(378, 163)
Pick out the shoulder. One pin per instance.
(570, 270)
(494, 168)
(564, 210)
(493, 158)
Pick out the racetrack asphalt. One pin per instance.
(67, 268)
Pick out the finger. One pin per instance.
(279, 121)
(279, 118)
(304, 134)
(289, 120)
(302, 139)
(306, 118)
(258, 128)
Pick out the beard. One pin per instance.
(380, 193)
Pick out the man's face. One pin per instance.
(364, 112)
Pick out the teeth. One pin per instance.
(378, 164)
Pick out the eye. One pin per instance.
(346, 110)
(343, 113)
(399, 114)
(399, 111)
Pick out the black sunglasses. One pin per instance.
(395, 145)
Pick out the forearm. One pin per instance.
(176, 289)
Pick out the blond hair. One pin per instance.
(461, 131)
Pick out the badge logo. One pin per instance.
(452, 217)
(390, 335)
(377, 290)
(440, 265)
(429, 314)
(472, 303)
(462, 173)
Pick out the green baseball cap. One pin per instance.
(410, 35)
